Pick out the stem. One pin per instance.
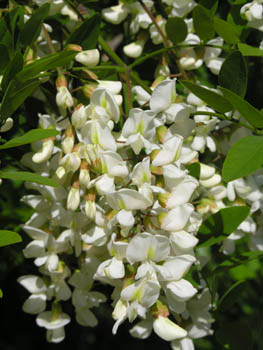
(140, 82)
(219, 115)
(102, 68)
(50, 45)
(110, 52)
(165, 40)
(224, 117)
(128, 87)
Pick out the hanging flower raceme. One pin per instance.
(124, 208)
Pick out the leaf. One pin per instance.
(32, 28)
(176, 29)
(245, 157)
(1, 293)
(203, 23)
(87, 33)
(224, 222)
(9, 237)
(30, 137)
(194, 170)
(27, 176)
(250, 113)
(14, 98)
(211, 5)
(15, 66)
(10, 25)
(233, 74)
(228, 31)
(213, 99)
(46, 63)
(4, 57)
(248, 50)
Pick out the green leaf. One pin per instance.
(14, 97)
(236, 335)
(5, 59)
(9, 237)
(194, 170)
(10, 25)
(176, 29)
(211, 5)
(245, 157)
(33, 26)
(46, 63)
(233, 74)
(224, 222)
(26, 176)
(248, 50)
(228, 31)
(1, 293)
(30, 137)
(15, 66)
(203, 23)
(250, 113)
(214, 100)
(87, 33)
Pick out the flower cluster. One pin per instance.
(188, 57)
(128, 208)
(123, 214)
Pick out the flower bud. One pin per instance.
(45, 152)
(73, 199)
(64, 99)
(73, 47)
(134, 49)
(7, 125)
(88, 57)
(88, 89)
(115, 14)
(211, 182)
(84, 176)
(90, 205)
(69, 140)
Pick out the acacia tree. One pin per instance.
(144, 171)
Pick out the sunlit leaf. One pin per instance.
(30, 137)
(27, 176)
(214, 100)
(33, 26)
(250, 113)
(9, 237)
(245, 157)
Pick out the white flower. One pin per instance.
(168, 330)
(134, 49)
(51, 322)
(8, 124)
(88, 58)
(44, 153)
(115, 14)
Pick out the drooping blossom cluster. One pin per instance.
(123, 213)
(127, 210)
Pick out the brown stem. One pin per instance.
(50, 45)
(165, 40)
